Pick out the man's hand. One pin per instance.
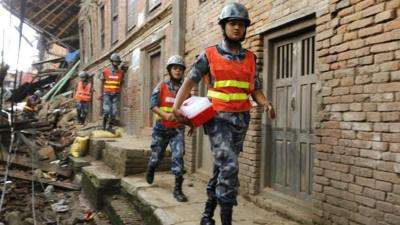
(169, 117)
(269, 109)
(179, 115)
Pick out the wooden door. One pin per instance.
(292, 132)
(153, 80)
(204, 162)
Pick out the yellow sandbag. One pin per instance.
(80, 146)
(105, 134)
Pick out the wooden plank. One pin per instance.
(67, 26)
(26, 163)
(42, 10)
(59, 14)
(23, 176)
(51, 12)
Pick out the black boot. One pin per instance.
(110, 124)
(105, 117)
(226, 215)
(208, 213)
(178, 194)
(150, 174)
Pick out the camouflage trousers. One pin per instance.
(175, 137)
(110, 103)
(226, 142)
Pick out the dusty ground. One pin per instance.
(18, 205)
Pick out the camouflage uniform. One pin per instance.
(110, 99)
(226, 132)
(163, 136)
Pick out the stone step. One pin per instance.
(121, 212)
(129, 155)
(97, 181)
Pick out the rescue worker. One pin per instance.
(112, 79)
(83, 96)
(32, 101)
(231, 75)
(166, 129)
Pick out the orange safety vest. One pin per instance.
(83, 94)
(112, 81)
(28, 106)
(233, 81)
(167, 99)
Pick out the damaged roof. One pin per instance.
(55, 19)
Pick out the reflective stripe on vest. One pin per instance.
(232, 81)
(29, 108)
(112, 81)
(167, 99)
(227, 97)
(83, 94)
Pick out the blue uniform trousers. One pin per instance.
(226, 142)
(175, 137)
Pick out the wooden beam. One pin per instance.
(42, 10)
(51, 12)
(67, 26)
(23, 176)
(62, 12)
(69, 38)
(26, 163)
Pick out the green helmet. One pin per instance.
(83, 74)
(175, 60)
(234, 11)
(115, 58)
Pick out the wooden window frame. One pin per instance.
(101, 18)
(153, 7)
(114, 17)
(131, 26)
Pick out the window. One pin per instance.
(114, 21)
(130, 14)
(152, 4)
(102, 33)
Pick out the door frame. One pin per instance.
(293, 28)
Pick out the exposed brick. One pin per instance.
(365, 200)
(384, 186)
(384, 206)
(371, 154)
(360, 23)
(390, 116)
(373, 10)
(380, 77)
(361, 171)
(390, 66)
(386, 176)
(363, 162)
(375, 194)
(356, 189)
(385, 47)
(370, 30)
(380, 146)
(373, 117)
(354, 116)
(392, 219)
(362, 126)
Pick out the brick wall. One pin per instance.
(356, 174)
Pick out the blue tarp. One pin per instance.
(72, 55)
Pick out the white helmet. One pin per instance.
(38, 93)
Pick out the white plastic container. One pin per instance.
(198, 110)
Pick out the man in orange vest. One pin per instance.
(112, 79)
(83, 96)
(32, 101)
(232, 77)
(167, 130)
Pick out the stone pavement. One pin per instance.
(167, 210)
